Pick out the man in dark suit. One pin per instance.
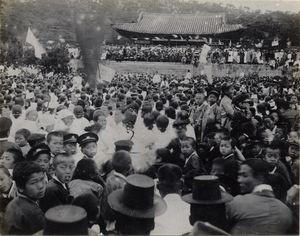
(257, 211)
(57, 191)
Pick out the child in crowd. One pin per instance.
(8, 192)
(193, 165)
(23, 215)
(227, 150)
(41, 155)
(21, 139)
(57, 191)
(88, 144)
(55, 141)
(10, 158)
(70, 146)
(272, 155)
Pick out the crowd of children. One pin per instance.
(133, 151)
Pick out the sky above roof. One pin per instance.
(263, 5)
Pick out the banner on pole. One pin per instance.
(38, 48)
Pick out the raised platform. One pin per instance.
(217, 70)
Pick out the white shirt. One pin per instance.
(175, 221)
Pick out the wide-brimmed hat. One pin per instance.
(137, 198)
(206, 191)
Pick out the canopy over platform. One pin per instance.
(178, 24)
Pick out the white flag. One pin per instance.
(38, 48)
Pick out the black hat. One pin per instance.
(5, 123)
(179, 123)
(214, 92)
(38, 149)
(206, 191)
(137, 198)
(66, 220)
(124, 145)
(241, 98)
(70, 138)
(87, 138)
(36, 138)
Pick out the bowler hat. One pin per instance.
(206, 191)
(137, 198)
(87, 138)
(66, 220)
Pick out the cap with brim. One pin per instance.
(70, 138)
(39, 151)
(137, 198)
(87, 138)
(214, 92)
(206, 191)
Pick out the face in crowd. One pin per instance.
(35, 187)
(64, 168)
(56, 144)
(246, 179)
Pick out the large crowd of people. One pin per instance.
(190, 54)
(149, 154)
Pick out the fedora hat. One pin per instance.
(206, 191)
(137, 198)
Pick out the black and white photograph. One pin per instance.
(149, 117)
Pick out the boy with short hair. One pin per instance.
(273, 156)
(57, 191)
(227, 149)
(21, 138)
(193, 165)
(55, 141)
(23, 215)
(10, 158)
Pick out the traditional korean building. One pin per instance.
(179, 28)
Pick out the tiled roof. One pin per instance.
(193, 24)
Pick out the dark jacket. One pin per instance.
(23, 216)
(55, 195)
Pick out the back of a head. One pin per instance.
(121, 161)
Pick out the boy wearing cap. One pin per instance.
(70, 146)
(88, 144)
(57, 191)
(23, 214)
(41, 155)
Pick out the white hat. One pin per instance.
(64, 113)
